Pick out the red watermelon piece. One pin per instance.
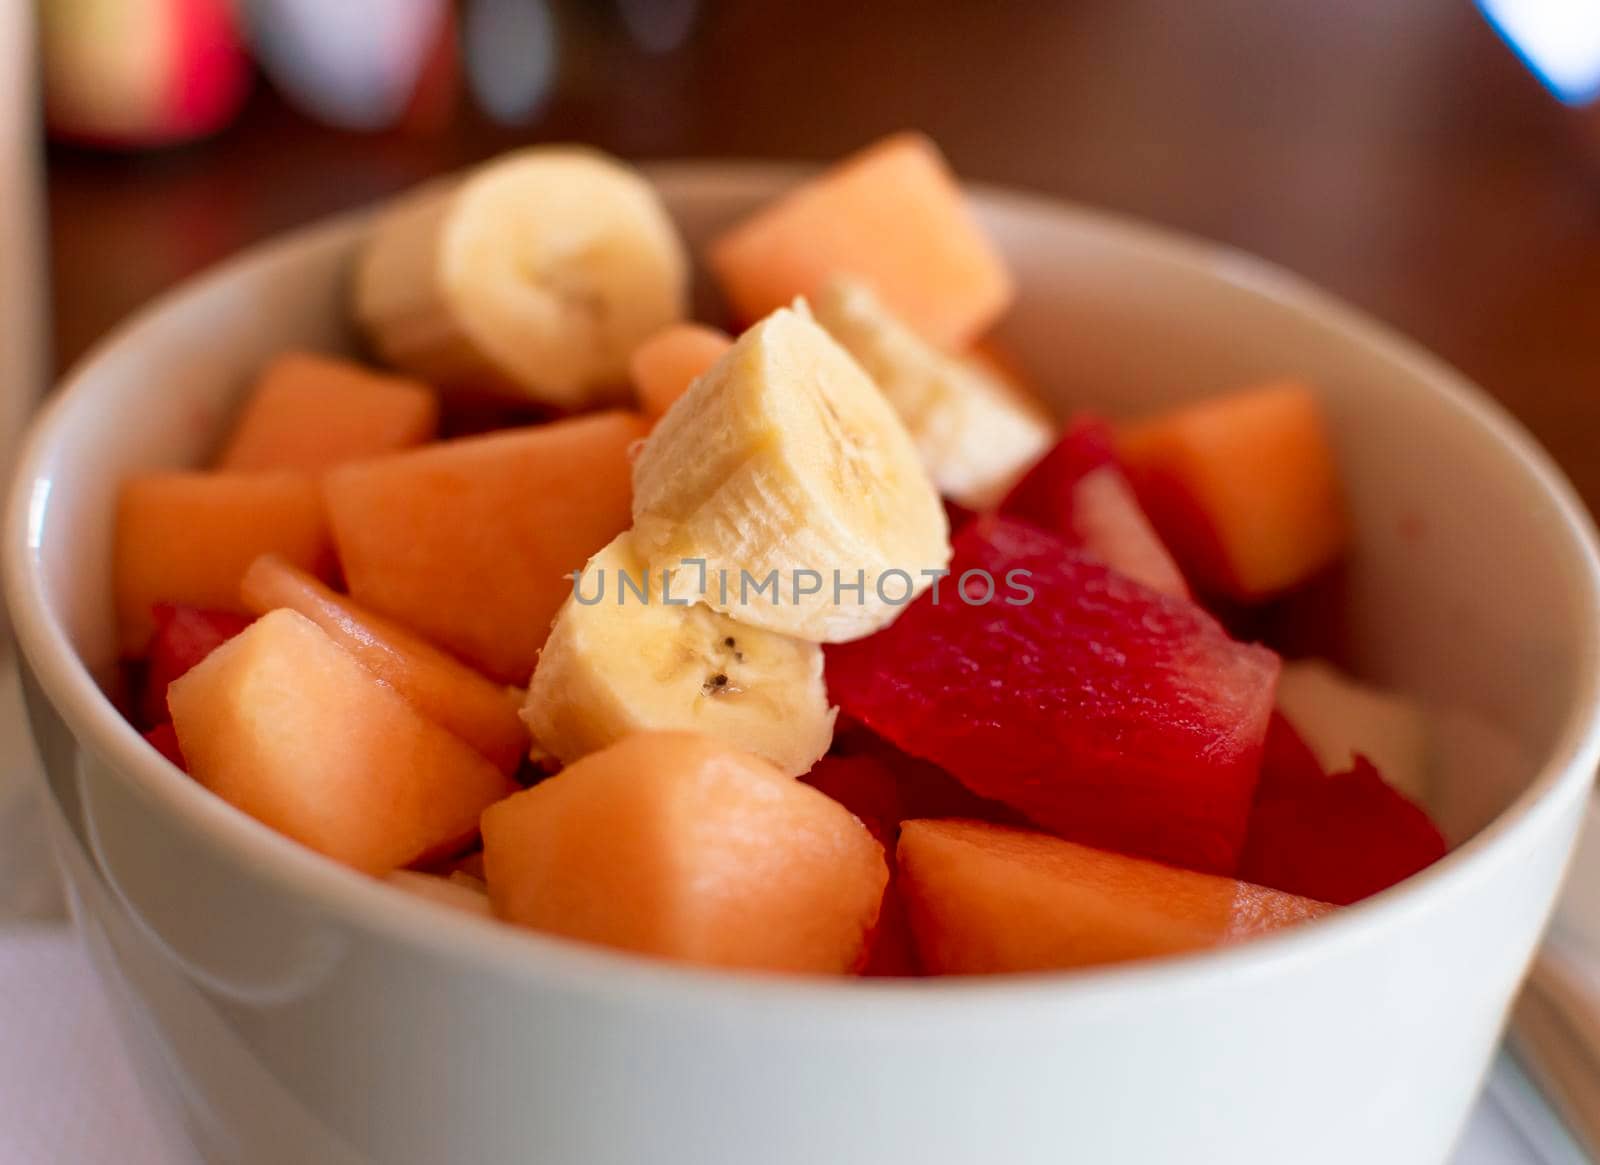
(164, 739)
(184, 636)
(1287, 762)
(922, 789)
(891, 948)
(1338, 838)
(1102, 710)
(865, 786)
(1079, 491)
(878, 783)
(1044, 495)
(957, 515)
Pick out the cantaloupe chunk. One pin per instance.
(287, 726)
(1243, 488)
(189, 537)
(988, 898)
(668, 362)
(311, 412)
(471, 543)
(891, 214)
(444, 689)
(672, 844)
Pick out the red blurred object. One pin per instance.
(1338, 838)
(184, 636)
(135, 73)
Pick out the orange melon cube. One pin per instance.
(311, 412)
(287, 726)
(986, 899)
(444, 689)
(1243, 488)
(472, 542)
(674, 845)
(189, 537)
(665, 365)
(891, 214)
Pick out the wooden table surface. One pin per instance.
(1393, 151)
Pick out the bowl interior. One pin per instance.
(1471, 583)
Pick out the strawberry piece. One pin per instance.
(1336, 838)
(164, 739)
(1102, 710)
(1079, 491)
(184, 636)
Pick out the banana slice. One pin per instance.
(616, 664)
(789, 482)
(533, 277)
(975, 433)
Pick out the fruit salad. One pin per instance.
(802, 639)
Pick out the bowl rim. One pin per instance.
(493, 948)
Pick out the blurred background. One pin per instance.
(1435, 162)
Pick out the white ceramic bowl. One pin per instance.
(285, 1009)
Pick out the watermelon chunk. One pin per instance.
(1338, 838)
(1287, 762)
(164, 739)
(957, 514)
(1079, 491)
(1102, 710)
(1044, 495)
(891, 951)
(922, 789)
(184, 636)
(865, 786)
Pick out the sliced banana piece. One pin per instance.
(975, 433)
(787, 477)
(617, 663)
(533, 277)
